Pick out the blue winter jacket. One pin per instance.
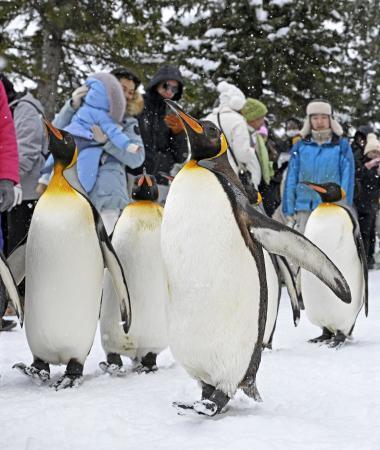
(110, 188)
(330, 162)
(95, 111)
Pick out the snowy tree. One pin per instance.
(58, 43)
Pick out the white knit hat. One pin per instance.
(320, 107)
(372, 143)
(231, 96)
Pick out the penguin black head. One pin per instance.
(329, 192)
(145, 187)
(205, 138)
(61, 144)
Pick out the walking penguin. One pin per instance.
(333, 226)
(63, 262)
(136, 240)
(212, 241)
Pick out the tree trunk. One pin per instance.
(51, 64)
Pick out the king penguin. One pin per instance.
(334, 228)
(63, 262)
(137, 241)
(212, 241)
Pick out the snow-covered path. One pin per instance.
(314, 398)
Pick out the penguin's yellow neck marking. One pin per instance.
(192, 164)
(58, 184)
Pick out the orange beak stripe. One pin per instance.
(54, 130)
(193, 124)
(316, 188)
(141, 181)
(148, 180)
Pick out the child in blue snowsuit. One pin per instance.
(104, 105)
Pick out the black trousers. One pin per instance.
(367, 223)
(16, 223)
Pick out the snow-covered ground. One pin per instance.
(314, 398)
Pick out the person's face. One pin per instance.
(168, 89)
(361, 140)
(257, 123)
(129, 88)
(320, 122)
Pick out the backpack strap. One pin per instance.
(229, 147)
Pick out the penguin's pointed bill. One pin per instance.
(281, 240)
(329, 192)
(205, 138)
(10, 285)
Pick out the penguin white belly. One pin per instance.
(64, 271)
(331, 229)
(137, 241)
(213, 282)
(273, 298)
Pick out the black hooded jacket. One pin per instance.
(162, 148)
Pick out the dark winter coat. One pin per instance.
(162, 148)
(369, 187)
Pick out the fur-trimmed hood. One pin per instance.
(136, 105)
(105, 92)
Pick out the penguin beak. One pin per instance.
(187, 120)
(146, 178)
(315, 187)
(52, 130)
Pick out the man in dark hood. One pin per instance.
(165, 143)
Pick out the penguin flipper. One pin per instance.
(361, 251)
(111, 261)
(16, 261)
(268, 232)
(284, 241)
(291, 286)
(11, 287)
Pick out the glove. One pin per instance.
(174, 123)
(7, 195)
(77, 96)
(18, 196)
(134, 148)
(98, 135)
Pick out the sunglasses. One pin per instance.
(170, 87)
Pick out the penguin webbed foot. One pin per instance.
(338, 340)
(148, 364)
(210, 407)
(67, 381)
(140, 368)
(113, 369)
(325, 337)
(38, 376)
(73, 376)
